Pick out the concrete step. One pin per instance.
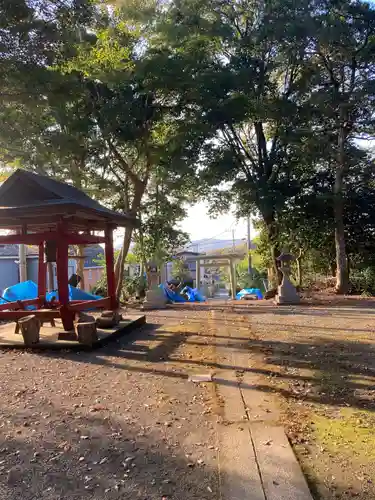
(280, 471)
(228, 388)
(239, 474)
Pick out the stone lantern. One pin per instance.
(286, 292)
(155, 298)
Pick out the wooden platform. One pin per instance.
(49, 335)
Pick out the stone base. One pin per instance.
(280, 300)
(287, 294)
(155, 299)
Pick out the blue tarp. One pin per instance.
(250, 291)
(21, 291)
(74, 294)
(192, 293)
(170, 295)
(29, 290)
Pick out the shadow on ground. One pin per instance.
(96, 458)
(335, 372)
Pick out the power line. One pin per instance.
(216, 235)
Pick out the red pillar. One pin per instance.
(67, 316)
(41, 272)
(110, 268)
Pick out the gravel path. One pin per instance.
(120, 422)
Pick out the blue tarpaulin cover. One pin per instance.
(74, 294)
(21, 291)
(170, 295)
(192, 293)
(250, 291)
(29, 290)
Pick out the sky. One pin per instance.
(199, 225)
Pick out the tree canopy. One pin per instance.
(150, 105)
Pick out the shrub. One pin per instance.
(135, 285)
(363, 281)
(255, 281)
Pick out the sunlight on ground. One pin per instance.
(350, 433)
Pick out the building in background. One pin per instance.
(93, 269)
(9, 265)
(92, 275)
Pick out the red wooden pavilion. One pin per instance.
(53, 215)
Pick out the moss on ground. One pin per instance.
(350, 433)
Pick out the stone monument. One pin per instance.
(155, 298)
(286, 292)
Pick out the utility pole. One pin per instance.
(249, 266)
(22, 262)
(233, 245)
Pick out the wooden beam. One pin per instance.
(21, 304)
(42, 272)
(44, 313)
(37, 238)
(84, 239)
(62, 269)
(89, 304)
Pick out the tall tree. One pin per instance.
(343, 48)
(236, 74)
(88, 116)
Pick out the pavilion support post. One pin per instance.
(198, 274)
(67, 317)
(110, 268)
(42, 272)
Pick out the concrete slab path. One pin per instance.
(255, 458)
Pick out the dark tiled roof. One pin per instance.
(28, 191)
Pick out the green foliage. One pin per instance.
(159, 237)
(181, 270)
(363, 281)
(244, 280)
(150, 105)
(77, 103)
(130, 258)
(131, 286)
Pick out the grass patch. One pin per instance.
(349, 433)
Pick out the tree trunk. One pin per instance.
(120, 262)
(299, 268)
(274, 246)
(342, 275)
(332, 267)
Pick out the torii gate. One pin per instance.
(215, 260)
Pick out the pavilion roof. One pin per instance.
(40, 201)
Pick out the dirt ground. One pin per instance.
(319, 360)
(119, 422)
(126, 422)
